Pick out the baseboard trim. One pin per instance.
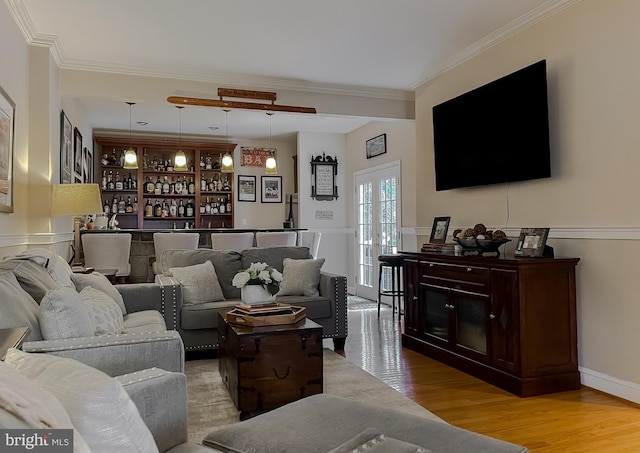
(629, 391)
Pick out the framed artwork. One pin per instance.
(66, 149)
(439, 230)
(271, 189)
(323, 182)
(532, 242)
(376, 146)
(246, 188)
(7, 129)
(87, 165)
(77, 153)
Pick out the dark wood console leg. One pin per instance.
(338, 343)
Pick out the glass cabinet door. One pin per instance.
(437, 311)
(471, 318)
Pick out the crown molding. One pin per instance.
(514, 27)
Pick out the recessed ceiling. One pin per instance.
(354, 44)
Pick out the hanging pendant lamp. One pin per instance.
(180, 161)
(130, 156)
(270, 166)
(227, 159)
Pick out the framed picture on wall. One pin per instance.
(7, 124)
(439, 230)
(271, 189)
(87, 165)
(77, 153)
(66, 149)
(246, 188)
(376, 146)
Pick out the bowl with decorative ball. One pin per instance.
(478, 240)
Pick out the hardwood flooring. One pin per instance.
(581, 421)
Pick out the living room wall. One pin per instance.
(590, 201)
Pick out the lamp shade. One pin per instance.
(270, 167)
(75, 199)
(130, 160)
(227, 164)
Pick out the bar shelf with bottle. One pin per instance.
(176, 196)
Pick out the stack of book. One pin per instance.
(437, 248)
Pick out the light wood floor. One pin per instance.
(581, 421)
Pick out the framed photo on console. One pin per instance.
(439, 230)
(532, 242)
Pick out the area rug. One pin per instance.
(210, 405)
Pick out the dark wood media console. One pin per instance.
(508, 321)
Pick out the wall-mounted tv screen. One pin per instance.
(496, 133)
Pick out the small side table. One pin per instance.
(11, 338)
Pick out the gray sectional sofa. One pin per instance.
(197, 323)
(144, 341)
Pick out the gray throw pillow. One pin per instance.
(101, 283)
(373, 441)
(104, 312)
(64, 315)
(300, 277)
(199, 283)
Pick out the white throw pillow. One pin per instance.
(104, 312)
(199, 283)
(97, 404)
(300, 277)
(24, 405)
(64, 315)
(100, 282)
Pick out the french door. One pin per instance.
(377, 202)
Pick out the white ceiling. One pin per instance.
(391, 45)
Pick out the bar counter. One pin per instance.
(142, 255)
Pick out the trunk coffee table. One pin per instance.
(269, 366)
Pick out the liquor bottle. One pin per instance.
(185, 186)
(172, 186)
(104, 179)
(207, 207)
(189, 208)
(173, 209)
(169, 165)
(165, 185)
(122, 206)
(202, 162)
(208, 162)
(128, 207)
(226, 186)
(181, 209)
(212, 185)
(133, 184)
(202, 207)
(223, 206)
(114, 205)
(148, 185)
(135, 204)
(157, 209)
(215, 208)
(158, 187)
(113, 160)
(203, 184)
(110, 184)
(148, 208)
(228, 205)
(178, 187)
(129, 182)
(118, 181)
(106, 209)
(192, 187)
(105, 159)
(165, 209)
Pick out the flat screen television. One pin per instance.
(496, 133)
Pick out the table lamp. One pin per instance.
(76, 200)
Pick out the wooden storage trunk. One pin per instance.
(268, 367)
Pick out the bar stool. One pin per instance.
(393, 262)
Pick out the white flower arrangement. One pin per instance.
(259, 274)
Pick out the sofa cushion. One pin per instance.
(98, 406)
(57, 267)
(144, 321)
(104, 312)
(226, 263)
(17, 307)
(64, 315)
(100, 282)
(373, 441)
(300, 277)
(33, 277)
(24, 405)
(204, 316)
(273, 256)
(199, 283)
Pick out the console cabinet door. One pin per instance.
(470, 316)
(411, 274)
(505, 327)
(436, 311)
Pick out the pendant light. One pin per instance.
(180, 161)
(270, 167)
(130, 156)
(227, 159)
